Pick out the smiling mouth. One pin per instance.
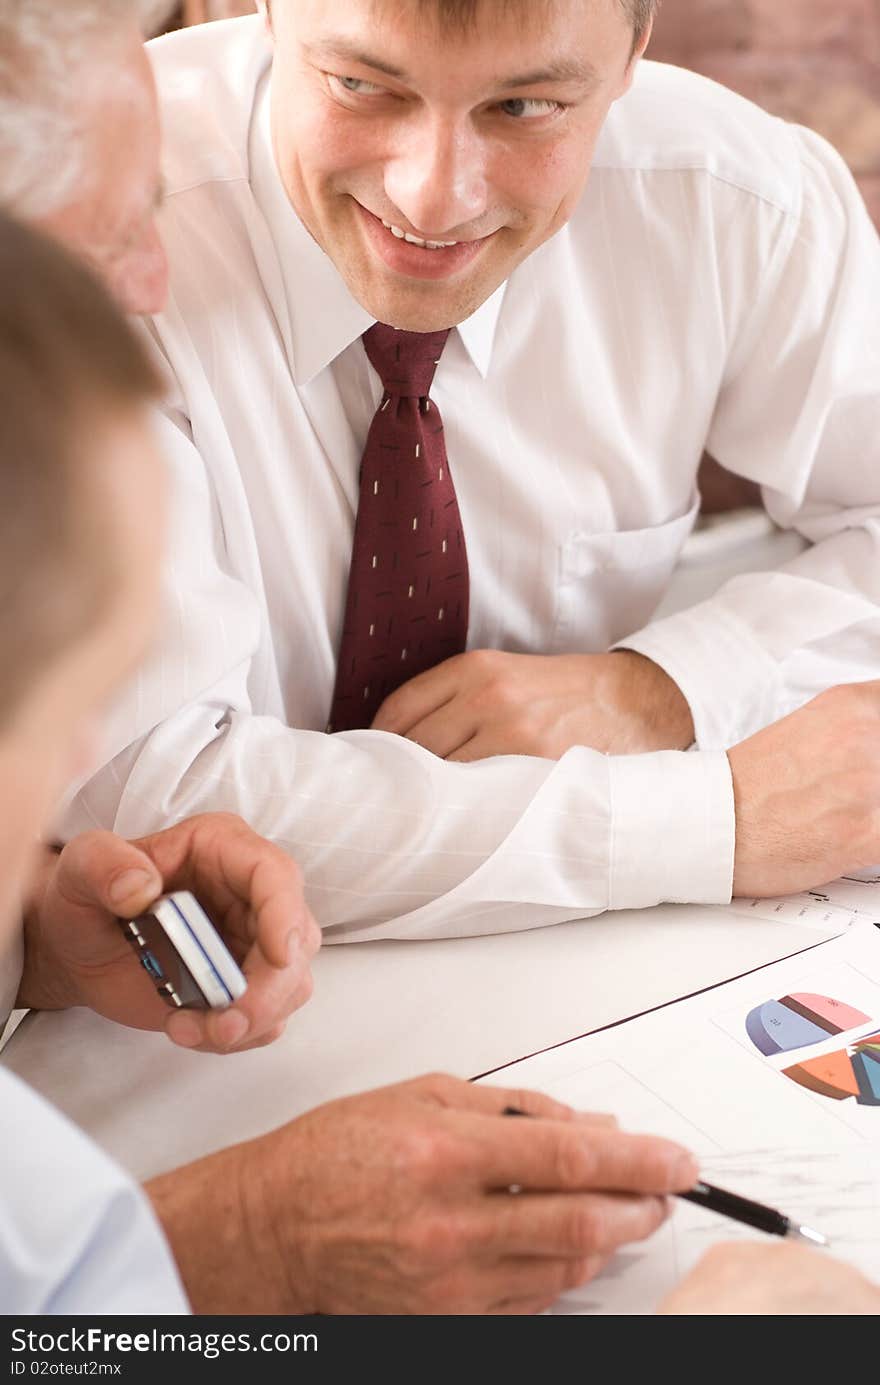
(415, 240)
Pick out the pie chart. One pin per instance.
(853, 1071)
(797, 1020)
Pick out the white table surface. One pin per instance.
(383, 1012)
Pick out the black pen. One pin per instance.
(740, 1209)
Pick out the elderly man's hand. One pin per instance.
(401, 1201)
(76, 954)
(753, 1279)
(487, 703)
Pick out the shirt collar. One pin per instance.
(323, 317)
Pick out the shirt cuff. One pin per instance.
(673, 829)
(729, 681)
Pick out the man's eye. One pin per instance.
(522, 108)
(356, 86)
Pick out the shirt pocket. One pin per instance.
(610, 584)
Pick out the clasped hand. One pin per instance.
(76, 953)
(488, 702)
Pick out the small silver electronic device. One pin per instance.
(184, 955)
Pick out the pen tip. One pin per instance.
(814, 1237)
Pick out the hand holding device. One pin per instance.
(76, 952)
(183, 954)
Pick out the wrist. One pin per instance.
(655, 702)
(221, 1217)
(45, 983)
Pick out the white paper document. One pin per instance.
(835, 906)
(773, 1080)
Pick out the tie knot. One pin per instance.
(404, 361)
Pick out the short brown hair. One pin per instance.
(66, 353)
(463, 12)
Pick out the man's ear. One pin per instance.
(637, 53)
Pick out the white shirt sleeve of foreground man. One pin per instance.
(77, 1236)
(393, 841)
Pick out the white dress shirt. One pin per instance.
(76, 1234)
(716, 287)
(11, 965)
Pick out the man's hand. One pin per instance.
(752, 1280)
(490, 703)
(402, 1201)
(807, 794)
(76, 954)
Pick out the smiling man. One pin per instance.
(460, 292)
(429, 148)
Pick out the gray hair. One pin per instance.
(45, 47)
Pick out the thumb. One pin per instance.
(101, 869)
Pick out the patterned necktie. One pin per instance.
(407, 604)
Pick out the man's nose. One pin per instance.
(437, 177)
(141, 280)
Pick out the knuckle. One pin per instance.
(431, 1243)
(536, 1103)
(294, 870)
(444, 1089)
(574, 1273)
(653, 1212)
(586, 1228)
(391, 708)
(268, 1037)
(425, 1152)
(459, 1290)
(304, 991)
(573, 1160)
(222, 819)
(538, 1305)
(481, 660)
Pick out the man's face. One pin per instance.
(110, 222)
(478, 139)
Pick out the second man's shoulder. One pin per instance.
(675, 121)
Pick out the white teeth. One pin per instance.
(414, 240)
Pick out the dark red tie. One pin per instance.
(407, 604)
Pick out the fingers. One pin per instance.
(574, 1156)
(471, 750)
(236, 1029)
(419, 698)
(459, 1095)
(230, 868)
(492, 740)
(253, 892)
(258, 1018)
(102, 870)
(568, 1226)
(222, 1031)
(493, 1101)
(249, 887)
(447, 729)
(521, 1286)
